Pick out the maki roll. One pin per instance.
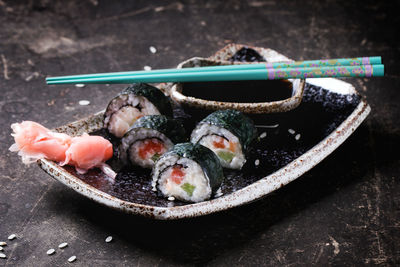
(136, 101)
(189, 172)
(149, 138)
(228, 134)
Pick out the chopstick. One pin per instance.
(235, 75)
(307, 63)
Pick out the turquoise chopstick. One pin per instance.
(235, 75)
(307, 63)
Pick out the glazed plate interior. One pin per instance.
(289, 144)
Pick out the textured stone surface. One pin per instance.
(343, 212)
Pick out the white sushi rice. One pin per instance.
(72, 259)
(63, 245)
(3, 256)
(193, 175)
(119, 122)
(205, 135)
(132, 142)
(84, 102)
(152, 49)
(2, 243)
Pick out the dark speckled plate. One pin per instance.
(293, 142)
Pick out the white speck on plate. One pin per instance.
(152, 49)
(171, 198)
(257, 162)
(267, 126)
(11, 237)
(3, 256)
(263, 135)
(80, 85)
(63, 245)
(297, 137)
(109, 239)
(51, 251)
(1, 249)
(291, 131)
(72, 259)
(84, 102)
(147, 68)
(2, 243)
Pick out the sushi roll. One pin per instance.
(228, 134)
(189, 172)
(136, 101)
(149, 138)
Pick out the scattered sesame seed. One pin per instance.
(291, 131)
(152, 49)
(147, 68)
(72, 259)
(11, 237)
(297, 137)
(171, 198)
(263, 135)
(84, 102)
(257, 162)
(63, 245)
(1, 248)
(109, 239)
(80, 85)
(51, 251)
(2, 243)
(3, 256)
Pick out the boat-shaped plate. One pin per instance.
(290, 144)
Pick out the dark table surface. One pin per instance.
(345, 211)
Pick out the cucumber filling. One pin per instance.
(225, 155)
(188, 188)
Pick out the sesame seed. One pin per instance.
(51, 251)
(291, 131)
(80, 85)
(147, 68)
(263, 135)
(3, 256)
(2, 243)
(257, 162)
(297, 137)
(11, 237)
(109, 239)
(152, 49)
(1, 248)
(63, 245)
(171, 198)
(72, 259)
(84, 102)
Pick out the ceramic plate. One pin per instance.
(290, 144)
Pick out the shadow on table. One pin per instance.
(199, 240)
